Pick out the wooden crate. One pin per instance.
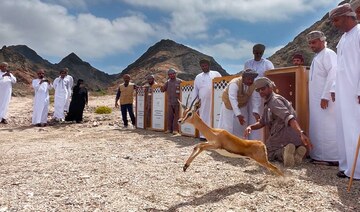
(292, 83)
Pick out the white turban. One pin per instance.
(355, 4)
(342, 10)
(315, 35)
(262, 82)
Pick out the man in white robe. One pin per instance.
(347, 88)
(203, 89)
(71, 84)
(260, 65)
(7, 79)
(236, 99)
(322, 129)
(41, 100)
(62, 90)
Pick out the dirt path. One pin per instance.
(98, 166)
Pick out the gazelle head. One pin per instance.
(188, 112)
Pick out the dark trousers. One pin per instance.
(124, 109)
(173, 117)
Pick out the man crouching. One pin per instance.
(286, 142)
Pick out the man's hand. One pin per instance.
(6, 74)
(116, 104)
(241, 119)
(324, 103)
(306, 141)
(247, 132)
(333, 96)
(257, 116)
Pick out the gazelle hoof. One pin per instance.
(185, 167)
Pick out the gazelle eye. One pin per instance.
(189, 114)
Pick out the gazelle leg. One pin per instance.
(265, 163)
(197, 150)
(262, 159)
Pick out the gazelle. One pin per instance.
(222, 141)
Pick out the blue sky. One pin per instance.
(111, 34)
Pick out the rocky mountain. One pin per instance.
(95, 79)
(24, 62)
(165, 54)
(283, 57)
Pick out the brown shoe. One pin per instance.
(299, 154)
(288, 155)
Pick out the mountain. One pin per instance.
(24, 63)
(79, 69)
(164, 55)
(283, 57)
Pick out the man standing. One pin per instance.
(172, 87)
(202, 89)
(148, 88)
(62, 91)
(322, 129)
(41, 100)
(71, 84)
(236, 99)
(347, 88)
(286, 141)
(7, 79)
(260, 65)
(126, 95)
(298, 60)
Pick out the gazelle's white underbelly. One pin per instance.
(225, 153)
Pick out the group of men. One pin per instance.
(41, 85)
(248, 101)
(334, 122)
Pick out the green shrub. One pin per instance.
(103, 110)
(99, 92)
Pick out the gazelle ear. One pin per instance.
(182, 105)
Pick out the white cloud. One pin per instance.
(193, 16)
(52, 31)
(232, 55)
(228, 50)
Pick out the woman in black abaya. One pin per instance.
(78, 101)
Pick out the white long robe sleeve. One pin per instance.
(347, 103)
(41, 101)
(71, 84)
(6, 83)
(322, 129)
(228, 119)
(61, 87)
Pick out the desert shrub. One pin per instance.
(99, 92)
(103, 110)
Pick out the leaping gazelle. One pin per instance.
(222, 141)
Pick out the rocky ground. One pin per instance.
(99, 166)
